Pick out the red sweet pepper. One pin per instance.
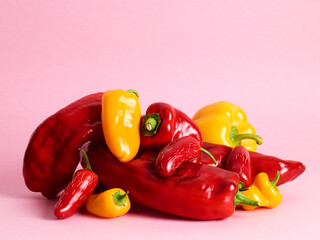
(52, 154)
(195, 191)
(177, 152)
(239, 162)
(289, 169)
(163, 123)
(77, 192)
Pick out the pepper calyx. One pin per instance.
(240, 198)
(237, 137)
(120, 198)
(150, 124)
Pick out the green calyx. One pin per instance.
(120, 198)
(150, 124)
(236, 137)
(133, 91)
(210, 155)
(88, 166)
(240, 198)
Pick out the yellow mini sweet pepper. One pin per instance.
(120, 118)
(263, 191)
(108, 204)
(226, 124)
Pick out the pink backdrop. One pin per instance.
(262, 55)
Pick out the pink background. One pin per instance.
(262, 55)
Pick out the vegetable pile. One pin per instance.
(201, 168)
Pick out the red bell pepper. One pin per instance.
(239, 162)
(77, 192)
(163, 123)
(195, 191)
(288, 169)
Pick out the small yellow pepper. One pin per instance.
(263, 191)
(111, 203)
(120, 118)
(226, 124)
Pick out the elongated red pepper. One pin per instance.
(239, 162)
(289, 169)
(177, 152)
(52, 154)
(195, 191)
(77, 192)
(163, 123)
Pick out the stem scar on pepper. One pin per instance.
(150, 124)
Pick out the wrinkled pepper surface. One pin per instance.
(263, 191)
(225, 123)
(195, 191)
(108, 204)
(163, 123)
(52, 153)
(120, 119)
(289, 169)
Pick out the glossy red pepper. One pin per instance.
(52, 154)
(195, 191)
(239, 162)
(289, 169)
(77, 192)
(163, 123)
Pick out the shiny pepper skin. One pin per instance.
(120, 118)
(264, 192)
(108, 204)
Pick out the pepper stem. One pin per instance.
(120, 198)
(133, 91)
(210, 155)
(275, 181)
(150, 124)
(88, 166)
(240, 198)
(237, 137)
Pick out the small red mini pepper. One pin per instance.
(77, 192)
(163, 123)
(239, 162)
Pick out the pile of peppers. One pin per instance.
(201, 168)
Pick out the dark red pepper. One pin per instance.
(163, 123)
(80, 188)
(289, 169)
(195, 191)
(52, 154)
(239, 162)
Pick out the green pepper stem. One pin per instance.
(210, 155)
(88, 166)
(120, 198)
(275, 181)
(133, 91)
(150, 124)
(237, 137)
(242, 199)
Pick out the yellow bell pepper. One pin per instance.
(226, 124)
(263, 191)
(120, 118)
(111, 203)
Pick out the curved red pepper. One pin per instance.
(82, 185)
(239, 162)
(168, 123)
(52, 154)
(194, 191)
(176, 153)
(289, 169)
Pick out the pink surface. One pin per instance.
(264, 56)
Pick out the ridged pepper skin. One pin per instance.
(226, 124)
(52, 153)
(239, 162)
(170, 124)
(120, 119)
(194, 191)
(263, 191)
(179, 151)
(289, 169)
